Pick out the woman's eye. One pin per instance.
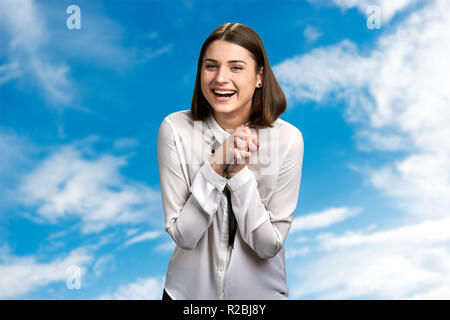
(209, 66)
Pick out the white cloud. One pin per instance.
(311, 34)
(302, 77)
(40, 46)
(168, 246)
(150, 288)
(100, 42)
(74, 182)
(292, 253)
(125, 143)
(12, 148)
(145, 236)
(302, 239)
(9, 71)
(103, 263)
(314, 221)
(21, 275)
(374, 273)
(420, 184)
(398, 93)
(388, 8)
(402, 263)
(103, 42)
(323, 219)
(397, 96)
(151, 53)
(16, 152)
(27, 30)
(131, 232)
(381, 141)
(152, 35)
(423, 233)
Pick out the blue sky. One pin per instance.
(80, 112)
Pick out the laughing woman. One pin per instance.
(230, 173)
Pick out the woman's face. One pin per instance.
(231, 67)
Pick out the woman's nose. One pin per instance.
(221, 75)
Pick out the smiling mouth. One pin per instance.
(223, 95)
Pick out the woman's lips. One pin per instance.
(223, 99)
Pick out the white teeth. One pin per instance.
(223, 92)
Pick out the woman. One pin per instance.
(230, 172)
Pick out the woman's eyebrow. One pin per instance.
(229, 61)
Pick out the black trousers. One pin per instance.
(166, 297)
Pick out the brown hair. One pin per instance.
(268, 102)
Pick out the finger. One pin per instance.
(241, 153)
(244, 157)
(252, 140)
(235, 141)
(245, 154)
(241, 134)
(237, 156)
(246, 143)
(255, 139)
(253, 147)
(240, 143)
(249, 137)
(245, 136)
(253, 133)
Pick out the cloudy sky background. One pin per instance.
(80, 112)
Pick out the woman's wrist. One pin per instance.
(219, 168)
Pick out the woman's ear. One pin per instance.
(260, 77)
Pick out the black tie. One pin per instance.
(231, 218)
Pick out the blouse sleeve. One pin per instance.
(188, 211)
(264, 229)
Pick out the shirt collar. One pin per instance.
(219, 133)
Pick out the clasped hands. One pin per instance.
(234, 153)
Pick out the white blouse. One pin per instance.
(264, 196)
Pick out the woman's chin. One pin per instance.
(223, 107)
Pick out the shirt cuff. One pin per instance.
(212, 176)
(206, 186)
(240, 178)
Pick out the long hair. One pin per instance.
(268, 101)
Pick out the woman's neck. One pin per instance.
(230, 121)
